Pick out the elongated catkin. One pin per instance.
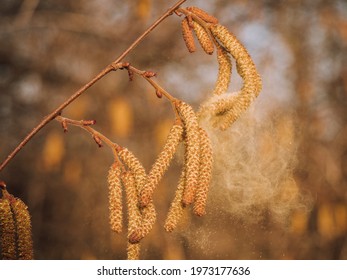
(7, 231)
(162, 163)
(244, 63)
(205, 174)
(177, 207)
(135, 166)
(187, 34)
(224, 71)
(23, 229)
(192, 143)
(203, 38)
(115, 198)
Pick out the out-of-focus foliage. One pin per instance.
(48, 49)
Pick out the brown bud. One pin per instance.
(97, 140)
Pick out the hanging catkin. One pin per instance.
(187, 34)
(23, 229)
(177, 207)
(192, 143)
(205, 173)
(7, 231)
(115, 198)
(134, 215)
(203, 38)
(224, 71)
(162, 163)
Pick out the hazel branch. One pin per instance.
(83, 89)
(98, 137)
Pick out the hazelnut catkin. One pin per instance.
(224, 71)
(23, 229)
(205, 174)
(148, 218)
(192, 144)
(227, 108)
(176, 208)
(135, 166)
(203, 15)
(115, 198)
(203, 38)
(134, 215)
(244, 63)
(7, 231)
(162, 163)
(188, 35)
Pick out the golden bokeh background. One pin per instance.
(51, 48)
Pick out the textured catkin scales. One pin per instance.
(134, 214)
(23, 229)
(192, 143)
(133, 251)
(148, 218)
(244, 63)
(203, 15)
(115, 198)
(229, 107)
(205, 173)
(187, 34)
(147, 214)
(176, 208)
(7, 231)
(162, 163)
(135, 166)
(203, 38)
(224, 71)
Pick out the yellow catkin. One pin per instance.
(148, 218)
(23, 229)
(148, 213)
(224, 71)
(205, 174)
(135, 166)
(162, 163)
(176, 208)
(203, 38)
(115, 198)
(244, 63)
(192, 143)
(188, 35)
(228, 108)
(134, 214)
(133, 251)
(7, 231)
(203, 15)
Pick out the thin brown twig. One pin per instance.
(79, 92)
(98, 137)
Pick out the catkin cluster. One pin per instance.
(15, 228)
(222, 108)
(127, 172)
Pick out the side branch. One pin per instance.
(104, 72)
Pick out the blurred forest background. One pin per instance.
(48, 49)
